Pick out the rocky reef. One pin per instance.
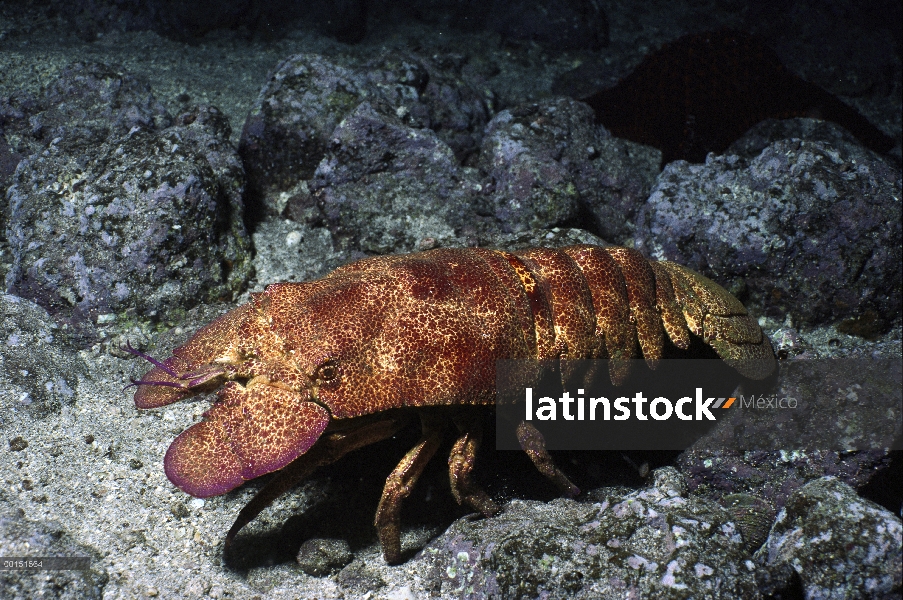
(160, 162)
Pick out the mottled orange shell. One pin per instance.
(422, 330)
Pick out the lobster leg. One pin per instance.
(332, 447)
(460, 465)
(399, 485)
(534, 445)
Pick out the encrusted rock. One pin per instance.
(837, 544)
(114, 223)
(546, 164)
(290, 128)
(804, 228)
(650, 543)
(754, 517)
(390, 186)
(319, 556)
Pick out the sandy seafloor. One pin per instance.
(91, 477)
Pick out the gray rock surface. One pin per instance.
(655, 542)
(290, 124)
(86, 99)
(436, 92)
(838, 544)
(290, 127)
(119, 220)
(320, 557)
(803, 229)
(769, 131)
(384, 187)
(546, 164)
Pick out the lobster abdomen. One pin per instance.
(574, 302)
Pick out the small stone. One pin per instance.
(318, 556)
(179, 510)
(17, 444)
(293, 238)
(754, 517)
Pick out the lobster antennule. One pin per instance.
(139, 382)
(192, 368)
(128, 348)
(158, 388)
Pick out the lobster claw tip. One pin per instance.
(200, 462)
(251, 432)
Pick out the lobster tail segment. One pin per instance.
(612, 301)
(713, 314)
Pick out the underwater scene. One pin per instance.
(397, 300)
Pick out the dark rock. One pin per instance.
(93, 99)
(188, 20)
(651, 543)
(701, 92)
(556, 237)
(769, 131)
(9, 160)
(118, 219)
(86, 100)
(592, 74)
(291, 124)
(387, 187)
(838, 544)
(773, 475)
(16, 141)
(754, 517)
(547, 164)
(358, 578)
(318, 556)
(432, 93)
(529, 184)
(38, 371)
(179, 510)
(615, 185)
(804, 228)
(822, 417)
(560, 24)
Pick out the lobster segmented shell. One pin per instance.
(310, 371)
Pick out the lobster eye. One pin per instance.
(327, 372)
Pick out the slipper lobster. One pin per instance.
(308, 372)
